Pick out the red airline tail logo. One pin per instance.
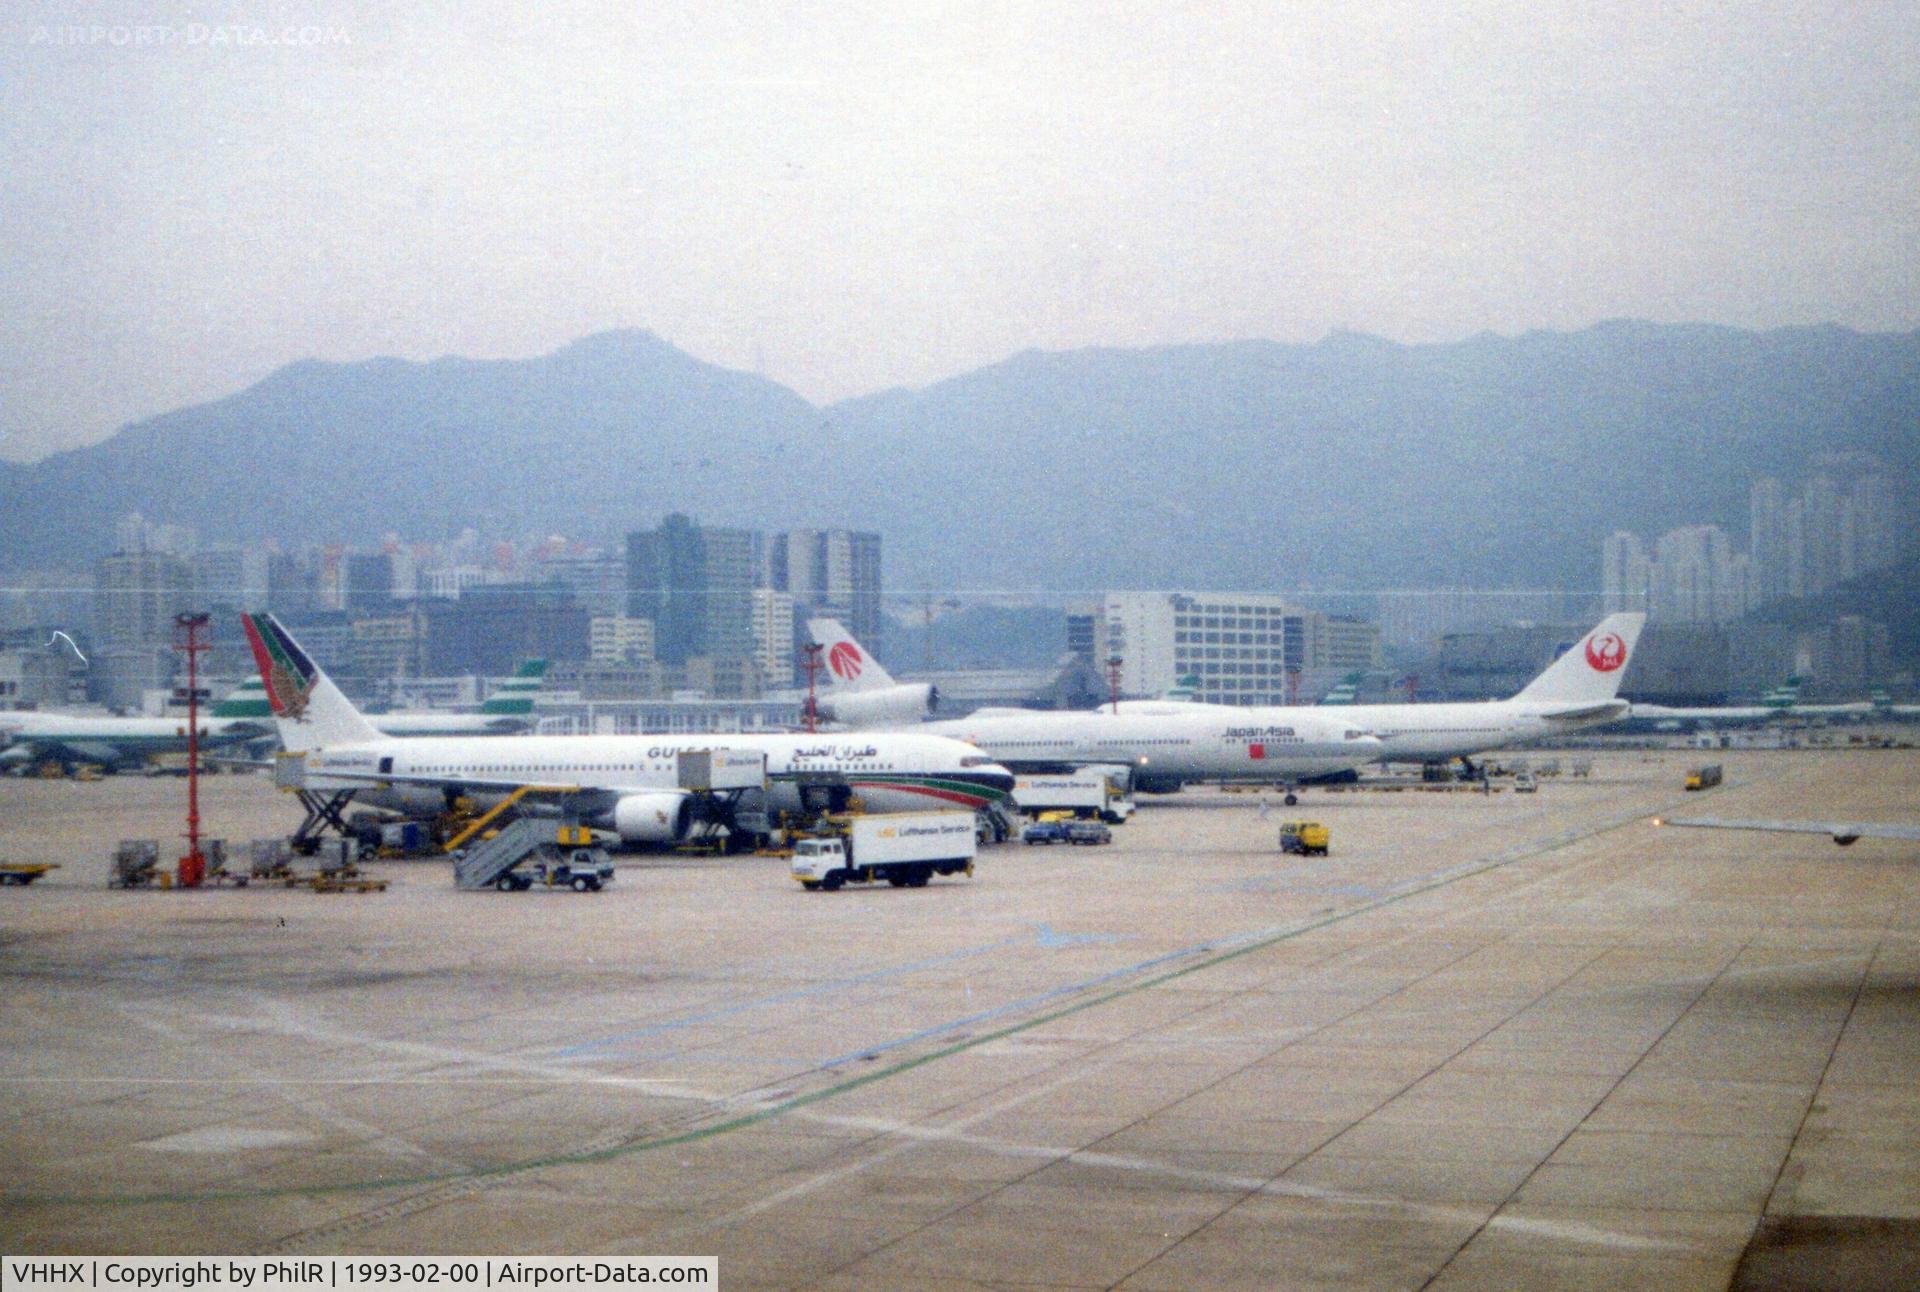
(845, 661)
(1606, 652)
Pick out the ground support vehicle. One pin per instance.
(1306, 838)
(23, 873)
(1090, 794)
(1524, 783)
(270, 859)
(1045, 832)
(1704, 778)
(136, 864)
(585, 870)
(1088, 832)
(555, 855)
(907, 849)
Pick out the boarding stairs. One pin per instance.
(491, 858)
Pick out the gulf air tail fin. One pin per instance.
(1590, 671)
(514, 697)
(308, 708)
(844, 665)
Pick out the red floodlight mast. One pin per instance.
(193, 866)
(813, 672)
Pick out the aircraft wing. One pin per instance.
(92, 751)
(1843, 832)
(238, 763)
(583, 797)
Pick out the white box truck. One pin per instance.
(904, 848)
(1090, 794)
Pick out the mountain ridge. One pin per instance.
(1494, 460)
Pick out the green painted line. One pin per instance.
(1552, 844)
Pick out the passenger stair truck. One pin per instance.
(904, 848)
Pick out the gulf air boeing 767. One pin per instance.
(624, 784)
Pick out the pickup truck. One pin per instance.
(586, 870)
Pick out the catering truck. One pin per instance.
(904, 848)
(1091, 793)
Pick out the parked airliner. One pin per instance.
(626, 784)
(1167, 750)
(1580, 689)
(1164, 751)
(29, 738)
(509, 709)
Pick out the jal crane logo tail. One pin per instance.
(1591, 671)
(1606, 651)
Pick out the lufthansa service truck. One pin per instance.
(904, 848)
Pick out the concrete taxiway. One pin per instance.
(1491, 1041)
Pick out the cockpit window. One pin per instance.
(975, 761)
(1354, 733)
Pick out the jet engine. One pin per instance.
(662, 817)
(908, 702)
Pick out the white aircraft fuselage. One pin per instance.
(1208, 742)
(1580, 688)
(890, 772)
(109, 739)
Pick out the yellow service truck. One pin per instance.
(1704, 778)
(1308, 838)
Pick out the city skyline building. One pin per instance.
(695, 583)
(830, 573)
(1244, 648)
(773, 636)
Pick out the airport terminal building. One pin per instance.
(1245, 648)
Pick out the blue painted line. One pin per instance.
(1046, 936)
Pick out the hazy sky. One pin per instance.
(850, 196)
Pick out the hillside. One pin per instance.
(1354, 461)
